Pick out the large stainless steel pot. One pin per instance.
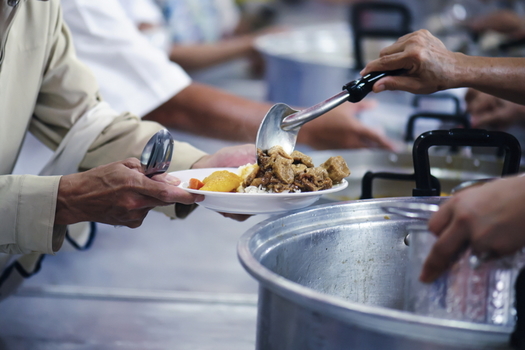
(332, 277)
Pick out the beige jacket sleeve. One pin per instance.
(66, 90)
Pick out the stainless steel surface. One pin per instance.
(157, 153)
(469, 184)
(79, 318)
(421, 211)
(332, 277)
(271, 133)
(451, 170)
(281, 124)
(298, 119)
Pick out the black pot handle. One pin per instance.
(368, 178)
(460, 137)
(361, 31)
(459, 119)
(438, 96)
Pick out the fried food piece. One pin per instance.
(301, 158)
(337, 168)
(221, 181)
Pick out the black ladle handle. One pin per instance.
(358, 89)
(354, 91)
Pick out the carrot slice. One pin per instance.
(195, 184)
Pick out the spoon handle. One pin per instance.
(354, 91)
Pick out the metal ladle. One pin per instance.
(157, 153)
(282, 123)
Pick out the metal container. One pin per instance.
(451, 170)
(309, 64)
(332, 277)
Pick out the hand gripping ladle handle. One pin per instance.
(354, 91)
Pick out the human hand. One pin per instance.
(429, 65)
(233, 156)
(488, 218)
(117, 194)
(339, 128)
(487, 111)
(503, 21)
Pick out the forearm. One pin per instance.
(197, 56)
(501, 77)
(207, 111)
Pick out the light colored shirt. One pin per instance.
(45, 89)
(133, 74)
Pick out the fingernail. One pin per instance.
(199, 198)
(380, 87)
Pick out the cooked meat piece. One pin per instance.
(251, 176)
(279, 187)
(301, 158)
(298, 168)
(314, 179)
(277, 151)
(263, 160)
(337, 168)
(282, 169)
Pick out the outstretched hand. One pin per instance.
(490, 112)
(117, 194)
(488, 218)
(340, 128)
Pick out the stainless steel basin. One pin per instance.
(332, 277)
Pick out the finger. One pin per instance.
(402, 83)
(385, 63)
(441, 219)
(167, 179)
(132, 163)
(164, 194)
(445, 251)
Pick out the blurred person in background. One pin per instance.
(135, 75)
(489, 218)
(95, 174)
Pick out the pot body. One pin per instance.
(333, 276)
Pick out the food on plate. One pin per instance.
(221, 181)
(277, 172)
(195, 184)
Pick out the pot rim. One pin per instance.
(375, 318)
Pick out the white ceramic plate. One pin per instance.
(250, 203)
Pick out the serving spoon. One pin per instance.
(281, 123)
(157, 153)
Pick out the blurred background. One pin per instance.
(178, 284)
